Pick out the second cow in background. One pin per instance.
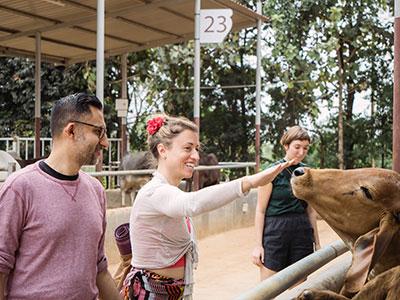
(130, 184)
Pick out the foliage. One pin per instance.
(307, 39)
(17, 97)
(302, 44)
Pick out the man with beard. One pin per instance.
(52, 215)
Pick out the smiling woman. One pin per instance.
(161, 230)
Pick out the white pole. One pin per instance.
(258, 73)
(124, 95)
(196, 102)
(196, 107)
(38, 61)
(258, 87)
(100, 64)
(100, 51)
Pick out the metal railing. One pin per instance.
(112, 176)
(220, 165)
(24, 147)
(281, 281)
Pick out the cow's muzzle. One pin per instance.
(298, 172)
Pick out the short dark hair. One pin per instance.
(295, 133)
(71, 107)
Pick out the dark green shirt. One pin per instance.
(282, 200)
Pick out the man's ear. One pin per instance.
(69, 130)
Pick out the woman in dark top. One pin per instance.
(286, 228)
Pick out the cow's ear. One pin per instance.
(366, 252)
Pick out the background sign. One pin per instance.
(121, 104)
(215, 24)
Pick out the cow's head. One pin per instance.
(351, 201)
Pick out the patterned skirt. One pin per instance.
(141, 284)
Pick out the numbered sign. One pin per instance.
(215, 24)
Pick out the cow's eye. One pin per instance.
(366, 192)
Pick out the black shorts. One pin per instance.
(287, 239)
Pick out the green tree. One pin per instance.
(309, 41)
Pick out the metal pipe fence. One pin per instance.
(281, 281)
(112, 176)
(24, 147)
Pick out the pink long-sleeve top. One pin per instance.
(51, 235)
(159, 233)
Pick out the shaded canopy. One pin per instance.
(68, 27)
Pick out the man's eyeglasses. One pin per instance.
(101, 131)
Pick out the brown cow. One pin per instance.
(131, 183)
(206, 177)
(363, 207)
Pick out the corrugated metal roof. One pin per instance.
(68, 27)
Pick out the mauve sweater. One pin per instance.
(51, 235)
(158, 230)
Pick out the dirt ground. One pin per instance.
(225, 269)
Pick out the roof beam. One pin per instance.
(8, 51)
(122, 19)
(110, 36)
(130, 48)
(130, 22)
(55, 22)
(50, 40)
(241, 9)
(92, 16)
(175, 13)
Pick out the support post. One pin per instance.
(196, 105)
(100, 64)
(258, 88)
(38, 54)
(124, 95)
(396, 89)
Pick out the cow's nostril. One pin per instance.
(298, 172)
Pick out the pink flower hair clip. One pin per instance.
(153, 125)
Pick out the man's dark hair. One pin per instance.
(69, 108)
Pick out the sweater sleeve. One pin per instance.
(171, 201)
(11, 225)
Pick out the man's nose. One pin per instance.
(104, 142)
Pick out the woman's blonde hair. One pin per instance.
(169, 129)
(295, 133)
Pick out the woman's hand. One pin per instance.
(264, 177)
(257, 256)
